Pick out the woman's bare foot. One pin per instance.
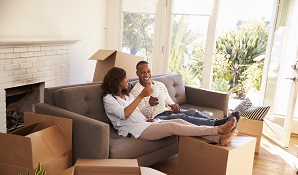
(227, 127)
(225, 139)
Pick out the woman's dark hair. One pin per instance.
(112, 80)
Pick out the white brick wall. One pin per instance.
(32, 64)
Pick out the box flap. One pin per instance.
(25, 130)
(59, 164)
(15, 150)
(124, 59)
(44, 121)
(48, 144)
(69, 171)
(102, 54)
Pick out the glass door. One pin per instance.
(281, 82)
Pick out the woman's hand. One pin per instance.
(147, 91)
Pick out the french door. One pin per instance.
(280, 91)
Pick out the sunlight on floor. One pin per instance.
(290, 159)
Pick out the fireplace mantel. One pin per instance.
(33, 41)
(31, 60)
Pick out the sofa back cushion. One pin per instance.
(174, 84)
(84, 100)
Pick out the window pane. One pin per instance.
(241, 46)
(138, 28)
(188, 42)
(137, 6)
(197, 7)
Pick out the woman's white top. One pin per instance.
(134, 124)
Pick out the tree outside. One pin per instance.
(235, 53)
(187, 52)
(138, 34)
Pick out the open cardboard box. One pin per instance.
(197, 156)
(44, 139)
(252, 128)
(106, 59)
(109, 166)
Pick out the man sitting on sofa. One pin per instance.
(150, 106)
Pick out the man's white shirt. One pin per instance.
(144, 105)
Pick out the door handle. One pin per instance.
(295, 66)
(293, 78)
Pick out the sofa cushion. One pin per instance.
(246, 109)
(84, 100)
(137, 147)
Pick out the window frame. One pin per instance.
(161, 47)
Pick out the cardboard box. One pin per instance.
(197, 156)
(44, 139)
(143, 170)
(107, 166)
(252, 128)
(106, 59)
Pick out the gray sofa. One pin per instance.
(93, 134)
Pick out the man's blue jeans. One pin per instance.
(192, 116)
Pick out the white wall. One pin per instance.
(78, 19)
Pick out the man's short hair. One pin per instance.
(141, 63)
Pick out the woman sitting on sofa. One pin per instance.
(122, 109)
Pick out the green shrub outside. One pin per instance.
(235, 51)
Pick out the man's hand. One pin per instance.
(175, 108)
(153, 101)
(150, 119)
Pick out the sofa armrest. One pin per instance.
(90, 137)
(207, 98)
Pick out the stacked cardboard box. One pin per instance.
(44, 139)
(252, 128)
(197, 156)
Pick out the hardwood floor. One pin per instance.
(272, 160)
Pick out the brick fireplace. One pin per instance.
(31, 61)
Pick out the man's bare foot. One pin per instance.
(225, 139)
(227, 127)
